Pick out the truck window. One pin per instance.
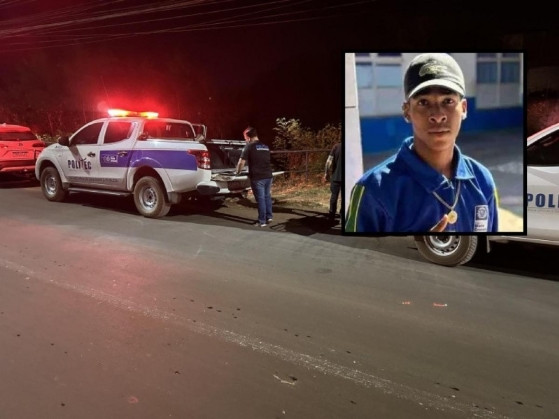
(169, 130)
(88, 134)
(118, 131)
(224, 156)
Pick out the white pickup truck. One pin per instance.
(160, 161)
(542, 204)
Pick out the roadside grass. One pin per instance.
(302, 192)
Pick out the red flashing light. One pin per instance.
(122, 113)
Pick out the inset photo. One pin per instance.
(434, 143)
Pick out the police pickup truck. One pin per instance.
(160, 161)
(542, 201)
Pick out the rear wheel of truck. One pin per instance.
(447, 250)
(149, 198)
(51, 185)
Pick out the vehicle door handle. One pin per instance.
(122, 153)
(91, 154)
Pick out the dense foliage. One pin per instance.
(305, 149)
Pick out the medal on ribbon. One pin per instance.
(452, 215)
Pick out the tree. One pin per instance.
(292, 136)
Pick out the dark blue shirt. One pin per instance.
(257, 156)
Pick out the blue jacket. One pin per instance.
(398, 196)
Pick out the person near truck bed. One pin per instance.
(429, 185)
(257, 156)
(333, 173)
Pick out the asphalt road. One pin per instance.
(104, 313)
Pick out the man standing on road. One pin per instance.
(257, 156)
(428, 185)
(333, 173)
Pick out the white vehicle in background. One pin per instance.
(542, 207)
(160, 161)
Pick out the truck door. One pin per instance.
(80, 161)
(115, 151)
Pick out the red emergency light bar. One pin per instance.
(122, 112)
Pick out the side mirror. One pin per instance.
(65, 141)
(143, 136)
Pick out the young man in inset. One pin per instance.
(257, 156)
(428, 185)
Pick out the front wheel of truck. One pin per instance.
(51, 185)
(149, 198)
(447, 250)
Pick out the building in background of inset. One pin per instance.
(494, 90)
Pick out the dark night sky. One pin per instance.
(264, 59)
(279, 59)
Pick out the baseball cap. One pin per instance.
(433, 69)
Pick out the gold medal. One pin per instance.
(452, 217)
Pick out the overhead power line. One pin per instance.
(107, 20)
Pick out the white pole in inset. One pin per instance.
(352, 145)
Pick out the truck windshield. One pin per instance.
(169, 130)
